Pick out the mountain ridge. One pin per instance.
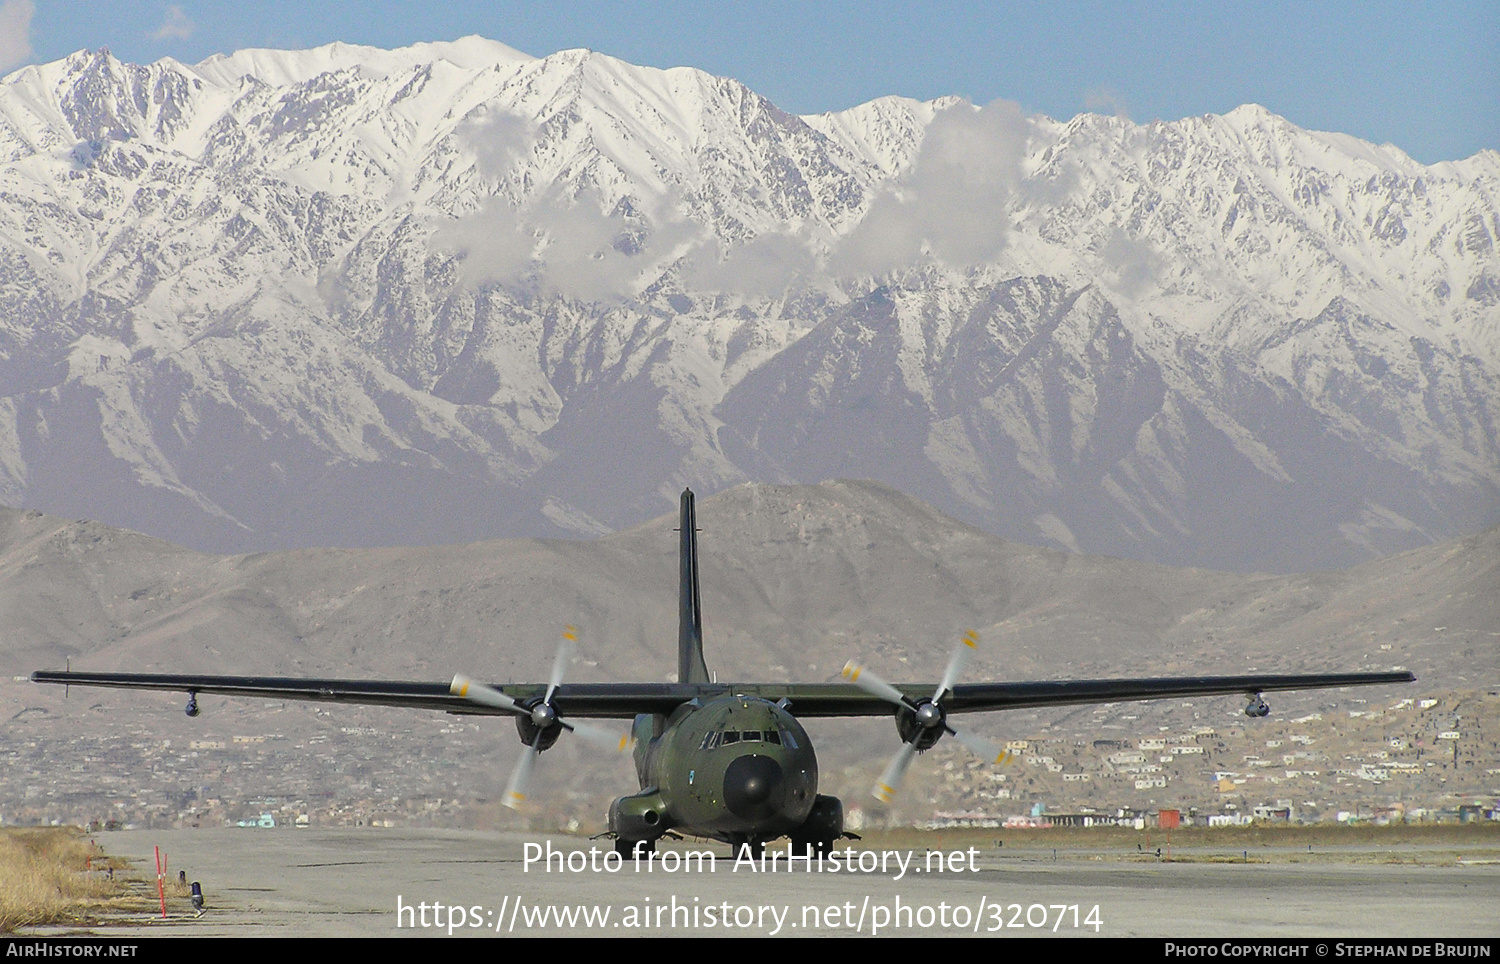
(412, 296)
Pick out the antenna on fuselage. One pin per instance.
(690, 665)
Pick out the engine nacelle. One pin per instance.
(529, 730)
(924, 727)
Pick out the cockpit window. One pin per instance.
(726, 737)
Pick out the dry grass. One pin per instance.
(55, 875)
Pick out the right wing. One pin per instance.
(596, 700)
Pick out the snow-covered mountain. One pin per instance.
(357, 296)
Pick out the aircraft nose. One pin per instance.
(752, 786)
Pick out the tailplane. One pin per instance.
(690, 665)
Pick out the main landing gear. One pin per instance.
(634, 849)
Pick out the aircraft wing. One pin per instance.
(844, 699)
(625, 700)
(976, 697)
(597, 700)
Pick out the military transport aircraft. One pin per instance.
(728, 761)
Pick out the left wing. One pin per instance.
(625, 700)
(845, 699)
(973, 697)
(595, 700)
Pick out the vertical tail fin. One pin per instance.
(690, 665)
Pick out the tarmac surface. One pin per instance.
(426, 883)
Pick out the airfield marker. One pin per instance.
(161, 880)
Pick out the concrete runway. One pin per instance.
(351, 883)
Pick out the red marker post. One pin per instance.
(161, 880)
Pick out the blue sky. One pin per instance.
(1424, 77)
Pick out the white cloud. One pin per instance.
(15, 32)
(952, 206)
(1132, 261)
(579, 247)
(176, 25)
(1106, 100)
(765, 266)
(567, 246)
(501, 141)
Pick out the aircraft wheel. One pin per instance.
(629, 849)
(820, 846)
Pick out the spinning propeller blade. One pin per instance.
(961, 653)
(484, 695)
(561, 660)
(856, 673)
(514, 790)
(927, 715)
(895, 772)
(984, 749)
(541, 715)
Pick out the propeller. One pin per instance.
(931, 722)
(540, 717)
